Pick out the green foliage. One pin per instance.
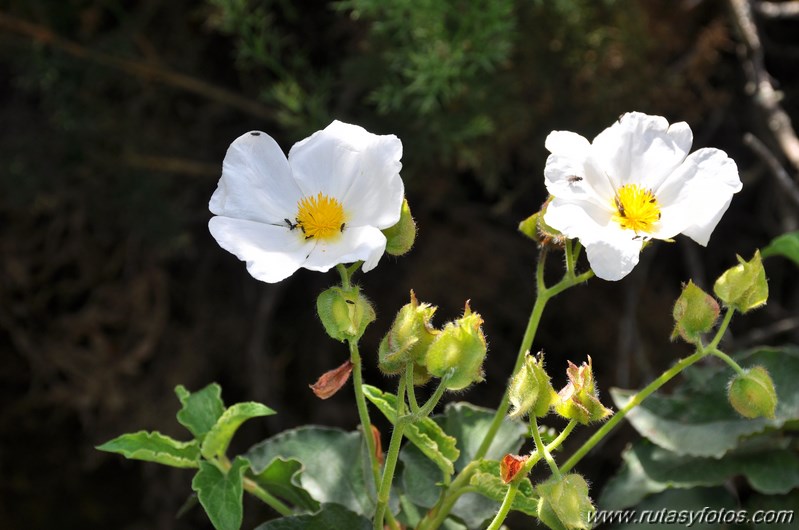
(155, 447)
(334, 468)
(201, 409)
(218, 437)
(220, 493)
(425, 434)
(489, 484)
(282, 477)
(786, 245)
(693, 438)
(330, 516)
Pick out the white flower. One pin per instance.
(323, 206)
(635, 182)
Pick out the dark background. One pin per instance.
(114, 119)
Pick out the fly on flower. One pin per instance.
(635, 182)
(323, 205)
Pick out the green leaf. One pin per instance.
(201, 409)
(697, 420)
(488, 482)
(155, 447)
(330, 516)
(424, 434)
(786, 245)
(218, 437)
(281, 478)
(782, 507)
(221, 493)
(468, 424)
(334, 464)
(647, 469)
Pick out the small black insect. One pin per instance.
(342, 226)
(652, 200)
(350, 302)
(291, 225)
(255, 133)
(574, 178)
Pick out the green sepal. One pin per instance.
(201, 409)
(218, 437)
(154, 447)
(786, 245)
(221, 493)
(400, 237)
(564, 503)
(695, 312)
(752, 393)
(744, 286)
(487, 481)
(425, 433)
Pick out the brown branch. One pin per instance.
(759, 82)
(760, 149)
(43, 35)
(778, 9)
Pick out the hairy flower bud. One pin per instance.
(458, 351)
(752, 393)
(536, 229)
(564, 503)
(695, 312)
(344, 313)
(579, 399)
(743, 287)
(530, 390)
(400, 237)
(408, 338)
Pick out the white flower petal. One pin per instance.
(577, 219)
(256, 182)
(615, 255)
(272, 253)
(694, 197)
(341, 156)
(641, 149)
(356, 243)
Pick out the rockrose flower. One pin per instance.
(635, 182)
(324, 205)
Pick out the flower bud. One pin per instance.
(564, 503)
(458, 351)
(579, 399)
(743, 287)
(530, 390)
(695, 312)
(345, 313)
(752, 393)
(408, 338)
(536, 229)
(400, 237)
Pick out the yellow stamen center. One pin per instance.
(636, 208)
(320, 217)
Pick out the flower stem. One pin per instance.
(729, 360)
(507, 502)
(363, 411)
(410, 388)
(541, 449)
(391, 457)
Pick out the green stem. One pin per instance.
(541, 449)
(410, 388)
(345, 276)
(729, 360)
(431, 403)
(510, 495)
(251, 487)
(392, 456)
(363, 411)
(722, 329)
(636, 400)
(435, 517)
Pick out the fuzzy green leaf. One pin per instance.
(201, 409)
(218, 437)
(154, 447)
(221, 493)
(424, 434)
(489, 483)
(330, 516)
(282, 478)
(334, 464)
(648, 469)
(786, 245)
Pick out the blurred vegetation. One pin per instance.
(116, 116)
